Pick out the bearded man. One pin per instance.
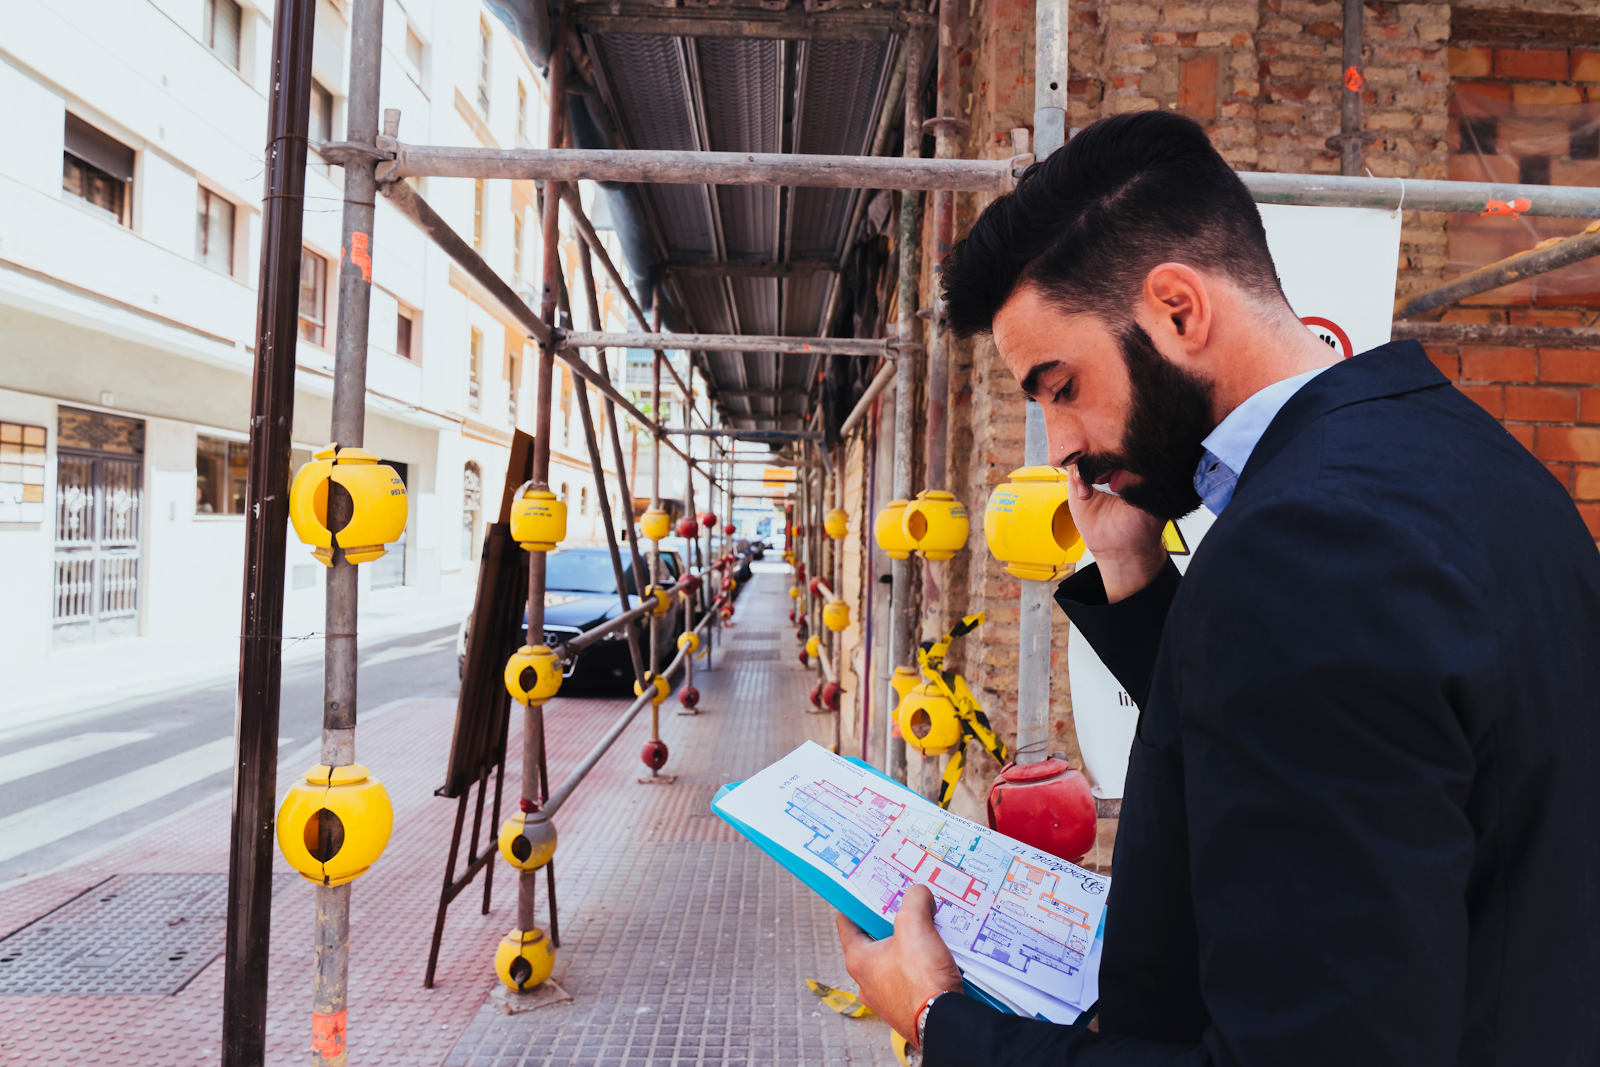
(1361, 824)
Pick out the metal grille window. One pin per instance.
(22, 453)
(99, 491)
(213, 241)
(97, 169)
(483, 67)
(220, 468)
(313, 296)
(220, 30)
(471, 502)
(475, 370)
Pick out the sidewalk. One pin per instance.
(71, 679)
(681, 943)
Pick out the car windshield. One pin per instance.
(588, 570)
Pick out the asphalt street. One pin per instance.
(89, 779)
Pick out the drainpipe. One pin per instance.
(250, 847)
(1033, 652)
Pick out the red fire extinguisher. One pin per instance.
(1046, 805)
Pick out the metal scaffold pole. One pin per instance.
(249, 914)
(348, 430)
(902, 618)
(1034, 622)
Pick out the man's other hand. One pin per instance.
(897, 974)
(1126, 542)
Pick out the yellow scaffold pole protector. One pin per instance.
(847, 1004)
(946, 712)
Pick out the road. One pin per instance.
(89, 779)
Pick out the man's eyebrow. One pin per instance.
(1030, 384)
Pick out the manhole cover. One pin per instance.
(131, 934)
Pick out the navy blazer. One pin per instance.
(1361, 825)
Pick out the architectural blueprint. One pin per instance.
(1021, 924)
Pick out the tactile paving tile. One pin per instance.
(131, 934)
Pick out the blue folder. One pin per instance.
(876, 925)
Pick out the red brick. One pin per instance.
(1579, 444)
(1487, 397)
(1197, 86)
(1591, 518)
(1523, 434)
(1470, 62)
(1562, 473)
(1446, 360)
(1465, 91)
(1569, 365)
(1535, 64)
(1589, 405)
(1585, 65)
(1586, 486)
(1548, 317)
(1480, 363)
(1529, 403)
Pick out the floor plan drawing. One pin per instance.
(1021, 924)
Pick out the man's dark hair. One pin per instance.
(1088, 224)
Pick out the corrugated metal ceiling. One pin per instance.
(742, 94)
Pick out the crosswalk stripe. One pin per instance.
(48, 757)
(399, 652)
(53, 820)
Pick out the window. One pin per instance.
(321, 127)
(516, 247)
(220, 30)
(475, 371)
(414, 49)
(21, 472)
(313, 296)
(220, 468)
(98, 170)
(406, 333)
(213, 238)
(514, 375)
(483, 67)
(477, 215)
(522, 115)
(583, 500)
(471, 503)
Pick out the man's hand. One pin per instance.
(1126, 542)
(897, 974)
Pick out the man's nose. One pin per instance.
(1066, 441)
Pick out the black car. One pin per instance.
(580, 594)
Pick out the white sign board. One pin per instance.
(1338, 267)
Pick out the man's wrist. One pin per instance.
(1124, 575)
(921, 1018)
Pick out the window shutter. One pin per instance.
(225, 17)
(99, 149)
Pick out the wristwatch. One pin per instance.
(922, 1016)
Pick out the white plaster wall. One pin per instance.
(26, 549)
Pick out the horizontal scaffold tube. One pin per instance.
(559, 795)
(703, 168)
(879, 383)
(975, 175)
(749, 435)
(727, 342)
(567, 649)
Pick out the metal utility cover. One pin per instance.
(132, 934)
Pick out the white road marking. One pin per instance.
(48, 757)
(55, 819)
(399, 652)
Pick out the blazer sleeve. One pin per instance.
(1125, 635)
(1335, 676)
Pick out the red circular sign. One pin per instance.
(1329, 333)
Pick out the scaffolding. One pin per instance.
(376, 161)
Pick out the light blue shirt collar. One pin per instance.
(1228, 447)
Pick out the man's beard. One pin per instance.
(1162, 442)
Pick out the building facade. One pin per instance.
(130, 205)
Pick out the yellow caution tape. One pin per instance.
(847, 1004)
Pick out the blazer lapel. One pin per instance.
(1388, 370)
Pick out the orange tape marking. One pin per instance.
(361, 255)
(327, 1031)
(1353, 80)
(1500, 207)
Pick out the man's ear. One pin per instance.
(1177, 308)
